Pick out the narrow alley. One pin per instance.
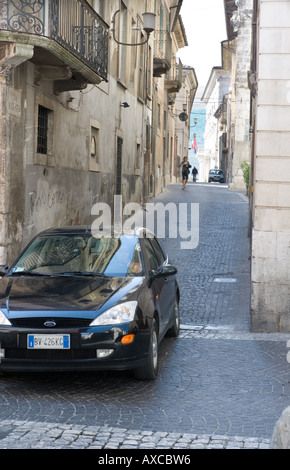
(220, 386)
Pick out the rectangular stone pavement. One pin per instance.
(217, 309)
(33, 435)
(214, 276)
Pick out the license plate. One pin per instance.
(48, 341)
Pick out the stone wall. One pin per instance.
(271, 197)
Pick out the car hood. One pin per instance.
(62, 293)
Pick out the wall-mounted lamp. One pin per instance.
(125, 105)
(148, 27)
(195, 122)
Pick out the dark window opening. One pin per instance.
(42, 129)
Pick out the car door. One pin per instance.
(163, 287)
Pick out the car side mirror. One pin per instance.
(164, 271)
(167, 270)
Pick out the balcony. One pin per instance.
(173, 79)
(162, 53)
(67, 41)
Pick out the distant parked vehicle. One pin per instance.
(216, 176)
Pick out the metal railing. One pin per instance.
(175, 72)
(72, 24)
(162, 45)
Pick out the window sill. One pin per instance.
(95, 167)
(44, 159)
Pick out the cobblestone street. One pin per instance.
(220, 386)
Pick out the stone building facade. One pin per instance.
(183, 119)
(213, 96)
(271, 167)
(259, 38)
(240, 45)
(79, 109)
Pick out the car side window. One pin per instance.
(155, 253)
(153, 262)
(158, 251)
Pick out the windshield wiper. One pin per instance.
(80, 273)
(55, 274)
(29, 273)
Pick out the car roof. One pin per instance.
(67, 229)
(86, 229)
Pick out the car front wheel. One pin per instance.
(150, 369)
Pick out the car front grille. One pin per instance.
(63, 322)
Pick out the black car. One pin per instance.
(72, 301)
(216, 176)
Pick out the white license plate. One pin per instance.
(48, 341)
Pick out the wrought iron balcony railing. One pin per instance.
(162, 51)
(173, 78)
(72, 24)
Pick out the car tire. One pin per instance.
(150, 369)
(173, 331)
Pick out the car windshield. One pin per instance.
(216, 172)
(81, 254)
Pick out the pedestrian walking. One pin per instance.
(185, 171)
(194, 174)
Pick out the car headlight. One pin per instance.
(4, 320)
(122, 313)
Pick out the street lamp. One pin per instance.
(195, 121)
(148, 27)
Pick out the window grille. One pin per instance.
(42, 129)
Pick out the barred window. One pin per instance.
(42, 129)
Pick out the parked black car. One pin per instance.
(216, 176)
(72, 301)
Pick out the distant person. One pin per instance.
(194, 174)
(185, 171)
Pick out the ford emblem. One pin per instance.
(50, 324)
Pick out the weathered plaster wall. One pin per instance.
(40, 191)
